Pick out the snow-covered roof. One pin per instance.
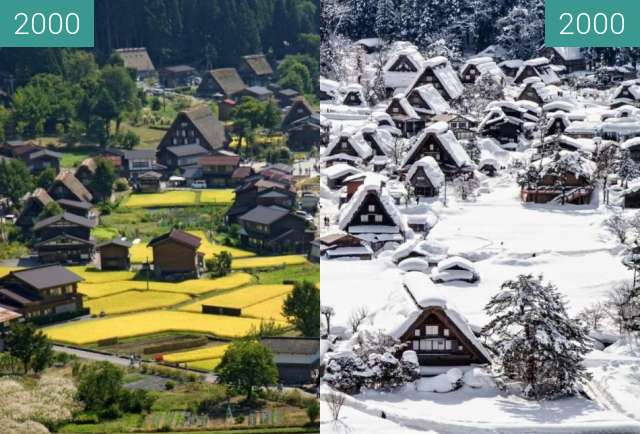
(328, 86)
(456, 262)
(339, 170)
(371, 186)
(396, 318)
(399, 79)
(356, 140)
(542, 69)
(446, 138)
(631, 143)
(433, 99)
(431, 169)
(578, 165)
(445, 74)
(584, 145)
(559, 105)
(569, 53)
(621, 126)
(430, 249)
(407, 108)
(512, 64)
(583, 127)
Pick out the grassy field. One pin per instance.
(133, 301)
(146, 323)
(307, 271)
(93, 275)
(240, 298)
(268, 261)
(189, 287)
(180, 198)
(204, 365)
(195, 355)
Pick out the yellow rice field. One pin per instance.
(92, 275)
(217, 196)
(269, 309)
(158, 200)
(133, 301)
(240, 298)
(191, 287)
(204, 365)
(268, 261)
(194, 355)
(6, 270)
(146, 323)
(180, 198)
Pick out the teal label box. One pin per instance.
(592, 23)
(46, 23)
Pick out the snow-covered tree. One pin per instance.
(386, 20)
(605, 159)
(529, 178)
(472, 148)
(345, 371)
(360, 20)
(522, 29)
(619, 226)
(593, 315)
(535, 341)
(327, 312)
(478, 95)
(624, 307)
(466, 187)
(627, 168)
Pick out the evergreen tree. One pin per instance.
(627, 168)
(386, 20)
(302, 308)
(535, 341)
(15, 180)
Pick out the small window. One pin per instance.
(364, 218)
(378, 218)
(445, 332)
(372, 208)
(416, 345)
(448, 345)
(431, 330)
(417, 332)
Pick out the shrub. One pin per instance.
(239, 419)
(169, 385)
(313, 411)
(121, 185)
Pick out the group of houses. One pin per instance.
(252, 77)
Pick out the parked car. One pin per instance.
(199, 184)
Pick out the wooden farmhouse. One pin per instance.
(557, 124)
(504, 124)
(510, 68)
(196, 126)
(218, 169)
(348, 147)
(438, 333)
(287, 97)
(304, 134)
(299, 109)
(438, 142)
(273, 229)
(464, 127)
(338, 245)
(45, 291)
(176, 256)
(297, 359)
(354, 96)
(425, 177)
(149, 182)
(570, 59)
(336, 174)
(114, 254)
(132, 163)
(177, 76)
(255, 70)
(539, 67)
(38, 159)
(427, 102)
(401, 68)
(404, 116)
(372, 216)
(536, 91)
(628, 93)
(260, 93)
(220, 84)
(259, 190)
(477, 67)
(82, 209)
(35, 203)
(439, 73)
(64, 238)
(85, 172)
(67, 186)
(138, 60)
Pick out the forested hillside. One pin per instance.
(204, 33)
(459, 25)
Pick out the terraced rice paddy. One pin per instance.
(269, 309)
(241, 298)
(267, 261)
(180, 198)
(133, 301)
(191, 287)
(195, 355)
(146, 323)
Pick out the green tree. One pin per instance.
(30, 346)
(247, 364)
(271, 116)
(121, 89)
(220, 265)
(45, 178)
(102, 182)
(79, 65)
(125, 139)
(15, 180)
(302, 308)
(313, 411)
(100, 388)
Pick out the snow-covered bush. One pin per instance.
(373, 364)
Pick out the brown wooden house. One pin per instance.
(196, 126)
(38, 159)
(149, 182)
(176, 255)
(255, 69)
(299, 109)
(425, 177)
(86, 171)
(220, 84)
(218, 169)
(404, 116)
(67, 186)
(274, 229)
(41, 291)
(138, 60)
(114, 254)
(64, 238)
(439, 73)
(304, 134)
(177, 76)
(336, 246)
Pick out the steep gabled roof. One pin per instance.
(116, 242)
(431, 170)
(66, 216)
(178, 236)
(69, 180)
(265, 215)
(186, 150)
(46, 276)
(228, 79)
(136, 58)
(208, 125)
(258, 64)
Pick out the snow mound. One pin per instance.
(442, 383)
(414, 264)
